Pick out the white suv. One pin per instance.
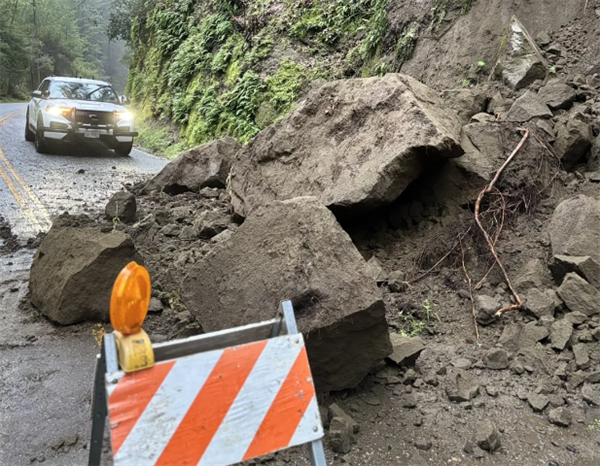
(78, 110)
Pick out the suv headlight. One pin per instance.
(123, 115)
(59, 111)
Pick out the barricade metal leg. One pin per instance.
(288, 316)
(317, 453)
(106, 361)
(99, 410)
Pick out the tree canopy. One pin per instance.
(40, 38)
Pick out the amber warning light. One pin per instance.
(128, 308)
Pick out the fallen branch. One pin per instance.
(470, 283)
(488, 240)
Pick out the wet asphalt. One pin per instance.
(46, 371)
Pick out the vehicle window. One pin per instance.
(83, 91)
(44, 86)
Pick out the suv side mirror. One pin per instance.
(36, 94)
(124, 100)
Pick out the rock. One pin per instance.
(581, 351)
(498, 104)
(482, 143)
(409, 401)
(516, 337)
(423, 444)
(576, 318)
(210, 223)
(155, 305)
(573, 139)
(557, 95)
(375, 270)
(221, 237)
(462, 363)
(591, 394)
(461, 386)
(482, 118)
(543, 39)
(520, 61)
(574, 227)
(122, 205)
(538, 402)
(487, 436)
(579, 295)
(342, 430)
(397, 281)
(560, 417)
(171, 230)
(296, 250)
(466, 101)
(596, 333)
(584, 266)
(405, 350)
(486, 309)
(593, 162)
(531, 275)
(203, 166)
(410, 377)
(541, 304)
(340, 435)
(355, 144)
(560, 334)
(496, 359)
(527, 107)
(74, 270)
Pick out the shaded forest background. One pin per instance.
(40, 38)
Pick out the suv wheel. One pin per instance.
(40, 142)
(123, 148)
(29, 135)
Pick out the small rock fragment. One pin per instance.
(579, 295)
(538, 402)
(122, 205)
(560, 417)
(487, 436)
(155, 305)
(496, 359)
(560, 334)
(591, 394)
(375, 270)
(486, 309)
(462, 386)
(406, 350)
(527, 107)
(582, 355)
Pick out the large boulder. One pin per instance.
(520, 61)
(74, 270)
(203, 166)
(296, 250)
(575, 227)
(354, 144)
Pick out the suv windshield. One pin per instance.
(83, 91)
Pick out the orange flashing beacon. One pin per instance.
(128, 308)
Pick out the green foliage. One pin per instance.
(284, 87)
(376, 30)
(406, 44)
(415, 323)
(595, 425)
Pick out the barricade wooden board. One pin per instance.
(218, 407)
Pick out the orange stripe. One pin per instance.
(131, 397)
(201, 422)
(284, 415)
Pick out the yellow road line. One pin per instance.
(37, 223)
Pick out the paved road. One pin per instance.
(34, 188)
(46, 370)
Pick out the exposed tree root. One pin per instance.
(470, 283)
(487, 237)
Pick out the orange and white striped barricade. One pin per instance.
(215, 399)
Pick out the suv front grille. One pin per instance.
(91, 118)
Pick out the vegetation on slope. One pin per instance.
(232, 67)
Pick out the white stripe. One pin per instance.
(306, 429)
(112, 380)
(171, 402)
(230, 443)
